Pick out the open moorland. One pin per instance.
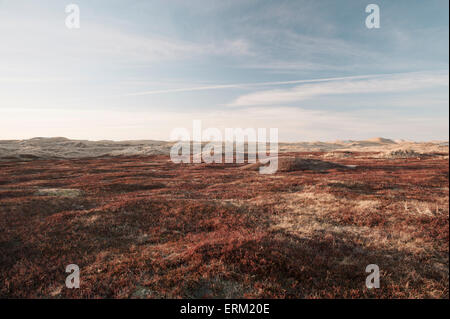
(140, 226)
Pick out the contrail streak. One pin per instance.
(247, 85)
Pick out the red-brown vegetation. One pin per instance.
(144, 227)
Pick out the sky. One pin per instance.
(138, 69)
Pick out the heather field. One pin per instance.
(144, 227)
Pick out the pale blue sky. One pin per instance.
(138, 69)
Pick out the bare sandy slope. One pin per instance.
(60, 147)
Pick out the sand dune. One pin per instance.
(60, 147)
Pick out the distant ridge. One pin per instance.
(380, 140)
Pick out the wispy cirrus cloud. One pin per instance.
(94, 42)
(380, 84)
